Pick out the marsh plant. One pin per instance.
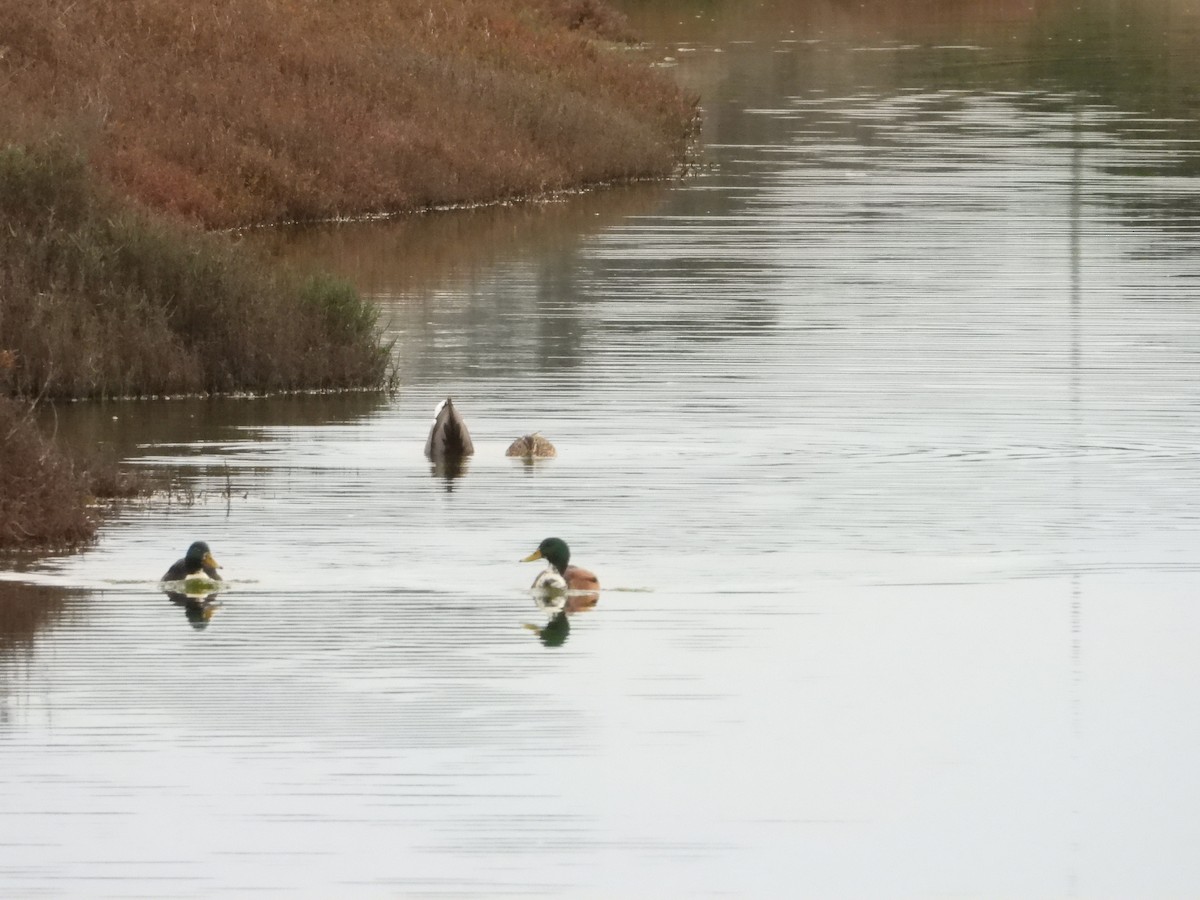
(97, 300)
(232, 112)
(44, 497)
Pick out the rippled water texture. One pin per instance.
(881, 432)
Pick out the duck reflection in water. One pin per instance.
(449, 469)
(561, 606)
(197, 607)
(553, 633)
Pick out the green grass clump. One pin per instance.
(340, 305)
(97, 300)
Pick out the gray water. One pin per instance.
(881, 431)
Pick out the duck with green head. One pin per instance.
(197, 565)
(561, 576)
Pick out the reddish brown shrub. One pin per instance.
(231, 111)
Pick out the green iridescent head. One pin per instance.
(555, 551)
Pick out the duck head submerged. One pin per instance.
(448, 436)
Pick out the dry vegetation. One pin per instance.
(96, 301)
(48, 499)
(227, 112)
(43, 497)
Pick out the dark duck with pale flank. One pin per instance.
(197, 563)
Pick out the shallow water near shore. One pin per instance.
(882, 433)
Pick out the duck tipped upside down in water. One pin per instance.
(531, 446)
(448, 436)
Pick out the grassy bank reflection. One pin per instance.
(1138, 55)
(26, 611)
(127, 429)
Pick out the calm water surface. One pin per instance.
(882, 432)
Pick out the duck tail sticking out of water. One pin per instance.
(448, 437)
(531, 446)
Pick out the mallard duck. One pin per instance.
(448, 437)
(531, 446)
(561, 576)
(198, 564)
